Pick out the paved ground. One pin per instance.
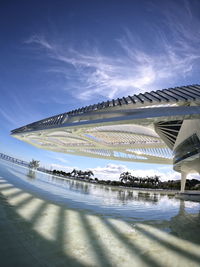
(34, 232)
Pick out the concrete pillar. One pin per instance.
(183, 180)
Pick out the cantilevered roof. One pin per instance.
(140, 128)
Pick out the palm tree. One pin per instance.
(34, 164)
(140, 180)
(89, 174)
(81, 174)
(149, 180)
(124, 176)
(74, 173)
(131, 179)
(157, 179)
(136, 179)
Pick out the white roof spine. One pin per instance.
(171, 95)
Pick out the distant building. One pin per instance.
(160, 126)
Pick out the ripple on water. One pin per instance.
(108, 201)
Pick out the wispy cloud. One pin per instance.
(39, 39)
(19, 112)
(90, 73)
(9, 118)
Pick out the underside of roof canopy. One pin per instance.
(139, 128)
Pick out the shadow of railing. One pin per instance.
(168, 244)
(27, 247)
(133, 248)
(102, 256)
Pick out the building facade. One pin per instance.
(160, 126)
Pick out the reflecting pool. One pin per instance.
(94, 225)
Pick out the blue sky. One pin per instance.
(60, 55)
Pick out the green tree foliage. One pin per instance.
(129, 180)
(34, 164)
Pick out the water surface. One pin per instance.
(115, 202)
(49, 221)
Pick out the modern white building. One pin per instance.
(160, 126)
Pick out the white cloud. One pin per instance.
(20, 112)
(109, 172)
(112, 172)
(60, 159)
(8, 117)
(39, 39)
(60, 167)
(89, 73)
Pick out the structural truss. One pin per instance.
(139, 128)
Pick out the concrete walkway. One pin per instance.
(34, 232)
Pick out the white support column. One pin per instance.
(183, 180)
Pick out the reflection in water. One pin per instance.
(126, 196)
(72, 184)
(31, 174)
(115, 202)
(81, 187)
(186, 225)
(60, 236)
(123, 195)
(161, 230)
